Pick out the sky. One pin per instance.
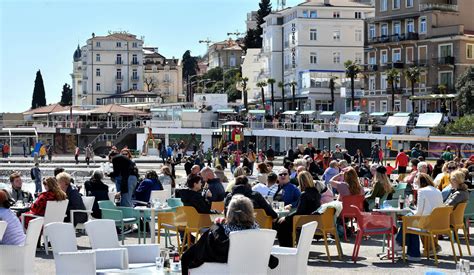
(42, 35)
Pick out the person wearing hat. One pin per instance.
(381, 186)
(14, 234)
(287, 192)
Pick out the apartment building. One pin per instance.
(308, 44)
(435, 35)
(226, 54)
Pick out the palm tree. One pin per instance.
(261, 85)
(244, 91)
(332, 87)
(392, 78)
(293, 95)
(352, 70)
(271, 81)
(412, 74)
(282, 87)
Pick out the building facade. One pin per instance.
(308, 44)
(226, 54)
(251, 69)
(435, 35)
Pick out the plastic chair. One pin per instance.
(55, 212)
(399, 190)
(326, 225)
(88, 203)
(370, 224)
(195, 223)
(174, 203)
(161, 195)
(3, 228)
(469, 212)
(263, 219)
(218, 206)
(102, 235)
(372, 202)
(295, 260)
(457, 222)
(241, 259)
(121, 216)
(437, 223)
(16, 259)
(172, 221)
(348, 212)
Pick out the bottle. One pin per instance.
(377, 203)
(401, 202)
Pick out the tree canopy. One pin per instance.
(66, 95)
(465, 91)
(190, 65)
(253, 39)
(39, 95)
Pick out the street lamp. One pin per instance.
(189, 88)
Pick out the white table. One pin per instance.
(153, 212)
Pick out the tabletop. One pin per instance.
(393, 210)
(148, 209)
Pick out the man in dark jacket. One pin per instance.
(192, 196)
(121, 165)
(75, 200)
(270, 153)
(214, 184)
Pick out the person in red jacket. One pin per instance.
(402, 162)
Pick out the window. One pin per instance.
(97, 57)
(119, 74)
(469, 51)
(134, 86)
(446, 78)
(396, 55)
(396, 28)
(97, 87)
(410, 26)
(395, 4)
(336, 35)
(384, 30)
(409, 55)
(313, 14)
(445, 50)
(422, 53)
(398, 105)
(358, 14)
(97, 44)
(313, 58)
(371, 106)
(119, 44)
(372, 31)
(313, 34)
(383, 106)
(336, 57)
(358, 58)
(409, 3)
(232, 61)
(372, 58)
(383, 57)
(422, 24)
(372, 83)
(336, 14)
(134, 45)
(97, 72)
(383, 5)
(135, 74)
(358, 35)
(119, 88)
(134, 59)
(305, 14)
(118, 60)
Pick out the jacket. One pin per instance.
(257, 199)
(288, 193)
(143, 191)
(122, 167)
(75, 203)
(217, 189)
(101, 193)
(194, 199)
(310, 201)
(428, 198)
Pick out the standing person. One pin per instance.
(252, 158)
(447, 154)
(121, 172)
(89, 154)
(6, 150)
(270, 153)
(401, 162)
(375, 154)
(37, 177)
(337, 154)
(261, 157)
(77, 151)
(50, 153)
(346, 156)
(1, 148)
(416, 151)
(42, 152)
(209, 156)
(24, 149)
(359, 158)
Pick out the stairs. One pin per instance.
(108, 140)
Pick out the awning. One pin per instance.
(402, 114)
(226, 111)
(307, 112)
(289, 112)
(190, 110)
(74, 112)
(158, 110)
(354, 113)
(433, 97)
(378, 114)
(232, 123)
(348, 122)
(327, 113)
(400, 121)
(429, 120)
(255, 112)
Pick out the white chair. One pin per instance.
(69, 260)
(88, 203)
(161, 195)
(55, 212)
(112, 196)
(16, 259)
(242, 260)
(295, 260)
(3, 227)
(102, 234)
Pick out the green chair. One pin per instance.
(174, 203)
(469, 212)
(399, 190)
(372, 201)
(121, 215)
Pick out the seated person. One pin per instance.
(263, 172)
(14, 234)
(99, 190)
(214, 184)
(150, 183)
(192, 196)
(287, 192)
(16, 193)
(381, 186)
(350, 185)
(74, 197)
(459, 193)
(53, 193)
(270, 188)
(239, 171)
(219, 172)
(213, 246)
(242, 187)
(310, 201)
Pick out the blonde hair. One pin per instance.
(459, 177)
(52, 185)
(239, 171)
(299, 162)
(63, 177)
(305, 180)
(240, 211)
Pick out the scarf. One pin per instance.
(236, 227)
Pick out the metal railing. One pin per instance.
(440, 7)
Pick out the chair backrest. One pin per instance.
(106, 205)
(469, 212)
(88, 202)
(55, 211)
(304, 245)
(218, 205)
(174, 202)
(243, 260)
(263, 219)
(3, 227)
(62, 237)
(347, 201)
(102, 234)
(371, 221)
(111, 196)
(438, 219)
(161, 195)
(326, 220)
(457, 216)
(194, 219)
(32, 234)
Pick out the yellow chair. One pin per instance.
(437, 223)
(195, 223)
(218, 206)
(457, 222)
(172, 221)
(263, 219)
(326, 225)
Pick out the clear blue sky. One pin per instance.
(37, 34)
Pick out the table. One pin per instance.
(282, 213)
(20, 209)
(141, 270)
(153, 212)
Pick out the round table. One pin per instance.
(153, 212)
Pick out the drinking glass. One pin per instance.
(160, 261)
(275, 205)
(281, 206)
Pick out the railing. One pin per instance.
(118, 77)
(440, 7)
(394, 38)
(135, 78)
(447, 60)
(370, 67)
(135, 63)
(118, 62)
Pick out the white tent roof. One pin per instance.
(397, 121)
(429, 120)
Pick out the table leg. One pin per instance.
(144, 228)
(152, 225)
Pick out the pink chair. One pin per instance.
(348, 212)
(373, 224)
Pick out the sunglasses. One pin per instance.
(283, 174)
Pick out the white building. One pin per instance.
(309, 44)
(105, 66)
(252, 67)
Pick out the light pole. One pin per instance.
(189, 87)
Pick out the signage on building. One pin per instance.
(293, 42)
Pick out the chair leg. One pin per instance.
(434, 249)
(452, 247)
(426, 243)
(393, 248)
(466, 236)
(327, 247)
(456, 236)
(403, 246)
(159, 234)
(45, 241)
(344, 227)
(338, 245)
(357, 244)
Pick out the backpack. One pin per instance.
(32, 174)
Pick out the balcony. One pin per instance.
(446, 60)
(421, 63)
(118, 62)
(135, 62)
(398, 91)
(135, 78)
(394, 38)
(370, 67)
(119, 77)
(438, 7)
(398, 65)
(448, 89)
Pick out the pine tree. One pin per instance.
(39, 97)
(264, 10)
(66, 95)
